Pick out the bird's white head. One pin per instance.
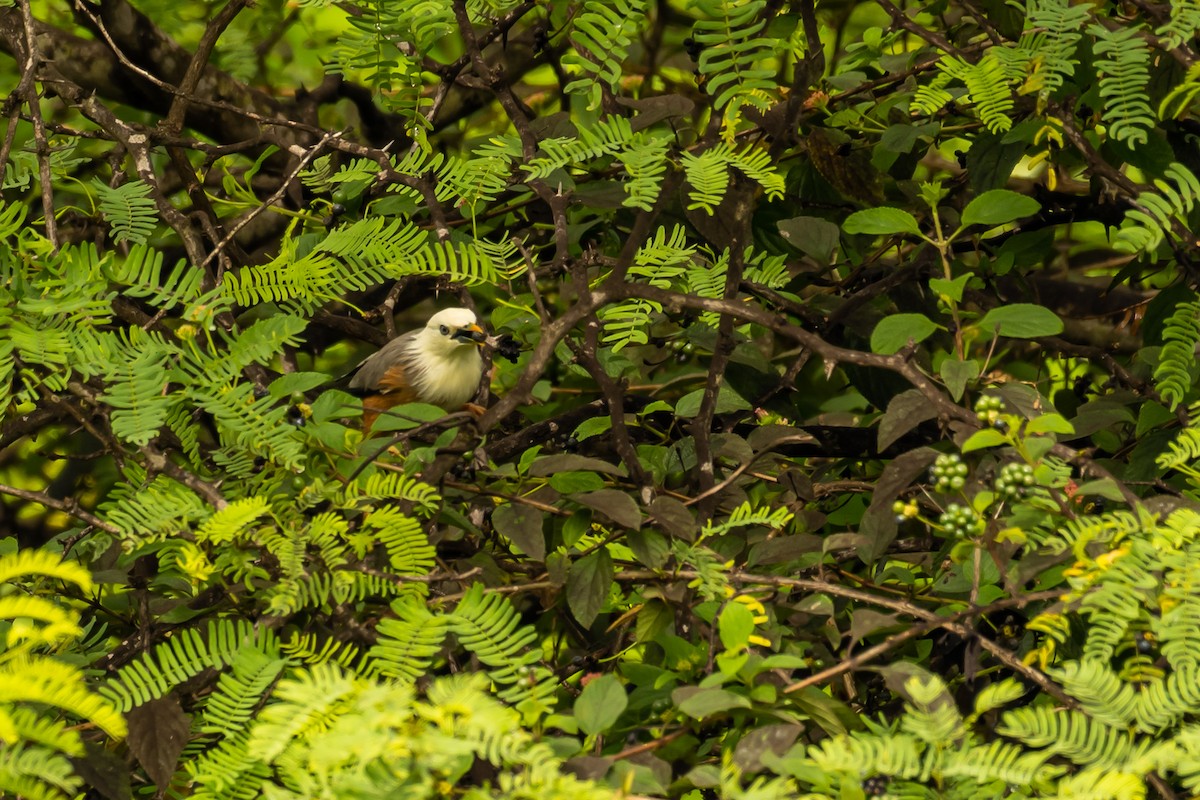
(453, 328)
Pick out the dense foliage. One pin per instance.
(850, 451)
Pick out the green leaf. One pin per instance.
(866, 621)
(522, 525)
(593, 427)
(600, 703)
(406, 417)
(567, 462)
(572, 482)
(957, 374)
(905, 411)
(1049, 423)
(951, 288)
(649, 547)
(813, 236)
(703, 703)
(284, 385)
(673, 517)
(158, 730)
(588, 585)
(894, 332)
(335, 404)
(998, 694)
(1038, 446)
(881, 221)
(736, 626)
(616, 505)
(998, 207)
(987, 437)
(1021, 321)
(1103, 487)
(1150, 416)
(728, 401)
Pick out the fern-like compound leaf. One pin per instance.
(129, 209)
(1123, 65)
(601, 37)
(1177, 359)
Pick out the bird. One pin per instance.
(439, 364)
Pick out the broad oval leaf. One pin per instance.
(985, 437)
(588, 585)
(702, 703)
(728, 401)
(906, 411)
(895, 331)
(614, 504)
(736, 626)
(956, 374)
(1021, 321)
(998, 207)
(523, 527)
(881, 221)
(1049, 423)
(814, 236)
(600, 704)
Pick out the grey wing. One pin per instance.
(370, 372)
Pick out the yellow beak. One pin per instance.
(471, 333)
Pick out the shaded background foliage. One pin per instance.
(850, 450)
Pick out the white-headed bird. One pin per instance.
(439, 364)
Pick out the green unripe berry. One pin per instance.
(949, 473)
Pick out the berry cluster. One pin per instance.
(905, 511)
(875, 786)
(988, 409)
(949, 473)
(1014, 479)
(960, 522)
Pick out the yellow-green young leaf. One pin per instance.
(894, 332)
(998, 694)
(881, 221)
(988, 437)
(53, 683)
(230, 521)
(600, 704)
(998, 207)
(736, 626)
(1021, 321)
(61, 620)
(1049, 423)
(40, 562)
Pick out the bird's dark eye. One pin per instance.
(445, 331)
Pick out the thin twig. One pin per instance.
(66, 506)
(187, 87)
(305, 156)
(29, 88)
